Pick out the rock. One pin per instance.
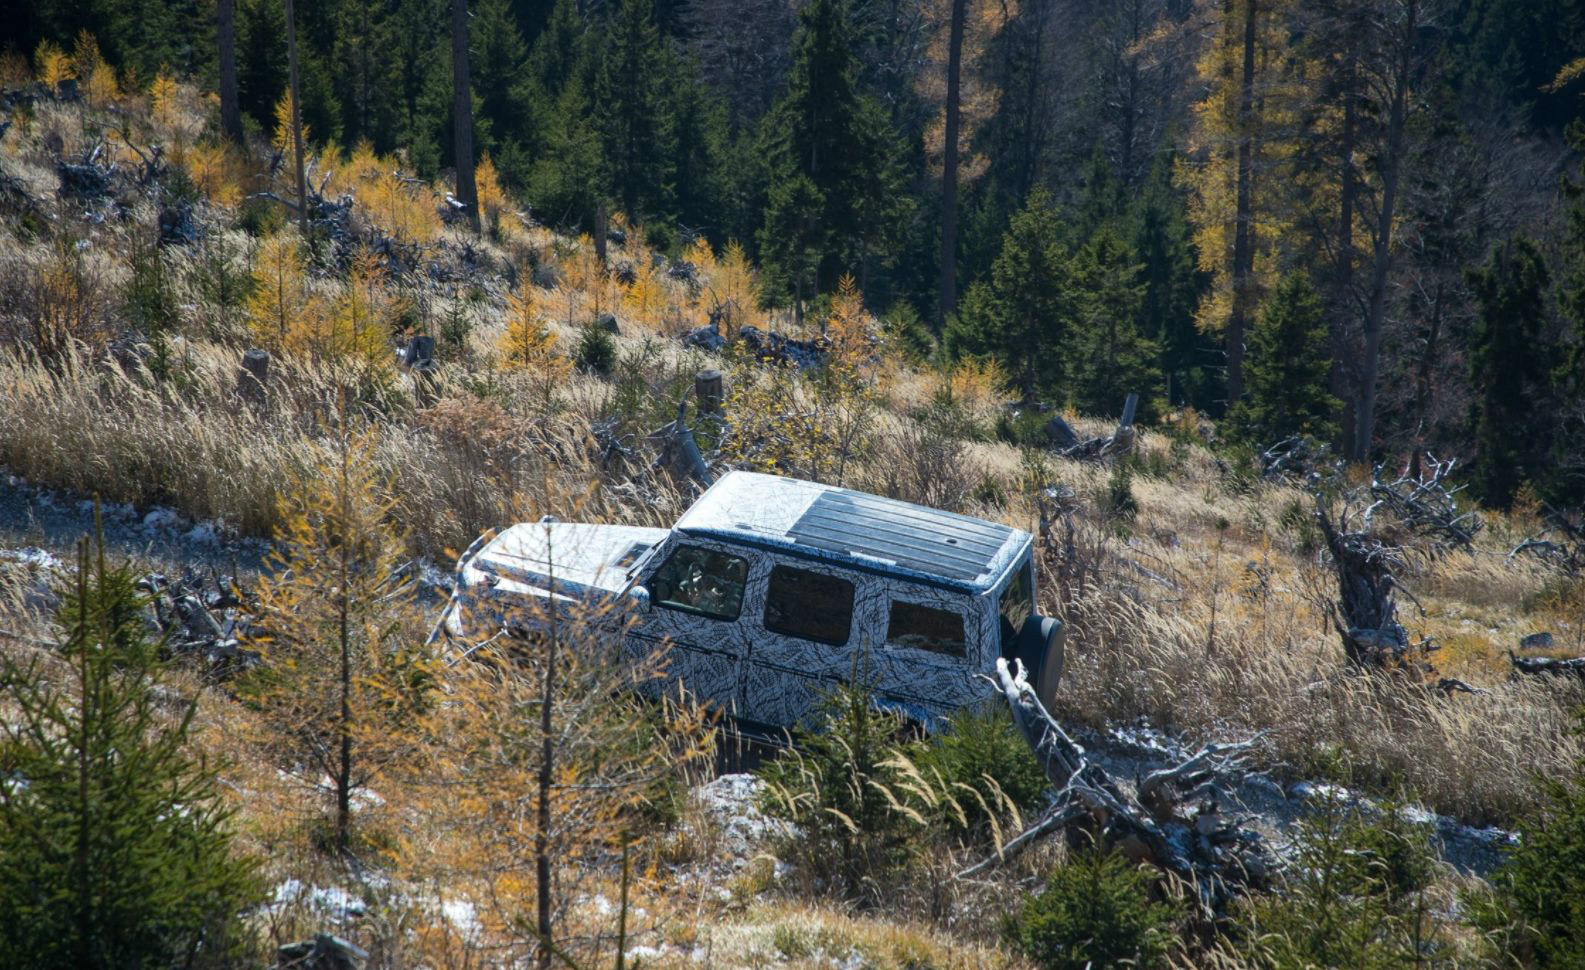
(608, 323)
(323, 952)
(704, 338)
(617, 236)
(66, 89)
(683, 271)
(545, 276)
(1060, 433)
(1537, 641)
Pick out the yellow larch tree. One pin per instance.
(1237, 166)
(356, 330)
(344, 670)
(493, 203)
(282, 303)
(97, 76)
(53, 64)
(528, 346)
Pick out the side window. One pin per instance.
(703, 581)
(810, 605)
(1016, 605)
(926, 628)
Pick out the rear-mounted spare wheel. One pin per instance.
(1040, 649)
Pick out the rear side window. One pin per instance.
(809, 605)
(926, 628)
(1016, 605)
(699, 580)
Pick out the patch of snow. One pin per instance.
(163, 517)
(331, 901)
(33, 556)
(461, 914)
(646, 953)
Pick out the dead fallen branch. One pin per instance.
(1548, 666)
(1204, 846)
(1425, 505)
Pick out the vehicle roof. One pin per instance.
(857, 529)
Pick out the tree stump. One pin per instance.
(709, 388)
(253, 377)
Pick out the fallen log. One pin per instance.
(1548, 666)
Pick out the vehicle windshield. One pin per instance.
(1016, 604)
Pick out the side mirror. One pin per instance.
(638, 599)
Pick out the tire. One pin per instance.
(1041, 649)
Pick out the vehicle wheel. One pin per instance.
(1040, 648)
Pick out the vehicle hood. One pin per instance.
(578, 561)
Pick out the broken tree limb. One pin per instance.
(1548, 666)
(1206, 848)
(1426, 505)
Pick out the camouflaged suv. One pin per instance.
(770, 591)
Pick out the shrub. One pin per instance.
(1543, 879)
(839, 787)
(116, 840)
(985, 764)
(1354, 895)
(596, 349)
(1118, 502)
(1095, 912)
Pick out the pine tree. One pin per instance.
(1173, 287)
(115, 837)
(1568, 377)
(1509, 366)
(1019, 316)
(1287, 379)
(636, 130)
(1111, 357)
(504, 118)
(824, 131)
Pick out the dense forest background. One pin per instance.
(1356, 219)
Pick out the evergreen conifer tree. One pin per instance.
(636, 129)
(1286, 378)
(1112, 358)
(1019, 316)
(825, 132)
(114, 836)
(1173, 287)
(1510, 368)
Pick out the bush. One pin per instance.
(1354, 895)
(1543, 881)
(985, 764)
(596, 349)
(1095, 912)
(116, 840)
(1118, 503)
(841, 786)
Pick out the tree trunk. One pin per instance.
(1243, 229)
(1342, 295)
(547, 756)
(226, 40)
(462, 112)
(1381, 250)
(949, 166)
(297, 118)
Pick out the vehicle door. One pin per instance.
(697, 615)
(812, 622)
(929, 650)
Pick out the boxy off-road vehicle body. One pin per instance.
(770, 591)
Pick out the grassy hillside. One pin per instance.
(1196, 592)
